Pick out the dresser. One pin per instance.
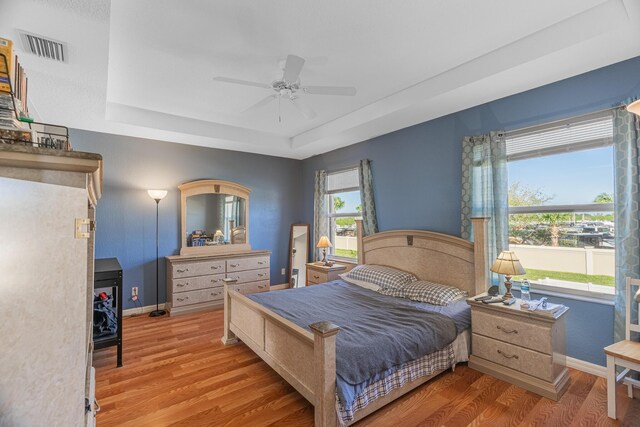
(318, 273)
(47, 213)
(524, 348)
(196, 282)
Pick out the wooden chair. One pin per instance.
(624, 353)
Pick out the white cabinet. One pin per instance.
(45, 294)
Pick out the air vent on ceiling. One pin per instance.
(44, 47)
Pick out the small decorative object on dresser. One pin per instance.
(319, 273)
(508, 264)
(196, 277)
(522, 347)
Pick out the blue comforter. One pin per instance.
(377, 332)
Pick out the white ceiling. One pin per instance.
(145, 68)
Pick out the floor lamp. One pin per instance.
(157, 195)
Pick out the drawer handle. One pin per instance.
(213, 294)
(234, 265)
(180, 285)
(262, 286)
(182, 299)
(182, 271)
(261, 262)
(215, 267)
(316, 277)
(261, 274)
(512, 356)
(215, 280)
(507, 331)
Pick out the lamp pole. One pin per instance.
(157, 195)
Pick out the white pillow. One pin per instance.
(361, 283)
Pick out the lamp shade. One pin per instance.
(218, 234)
(157, 194)
(324, 242)
(634, 107)
(508, 263)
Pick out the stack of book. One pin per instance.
(13, 88)
(548, 309)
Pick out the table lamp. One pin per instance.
(324, 243)
(508, 264)
(218, 236)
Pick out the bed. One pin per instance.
(306, 356)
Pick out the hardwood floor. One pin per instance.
(177, 372)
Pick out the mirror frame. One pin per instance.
(307, 226)
(212, 186)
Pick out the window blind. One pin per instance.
(341, 181)
(580, 133)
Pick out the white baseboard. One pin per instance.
(141, 310)
(588, 367)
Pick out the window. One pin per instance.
(561, 215)
(344, 204)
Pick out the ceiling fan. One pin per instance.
(289, 87)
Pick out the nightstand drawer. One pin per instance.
(314, 277)
(252, 288)
(201, 268)
(511, 330)
(199, 282)
(518, 358)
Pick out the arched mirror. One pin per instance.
(298, 255)
(214, 216)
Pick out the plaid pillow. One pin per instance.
(433, 293)
(386, 277)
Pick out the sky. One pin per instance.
(573, 178)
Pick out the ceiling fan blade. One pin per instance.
(261, 103)
(303, 107)
(330, 90)
(242, 82)
(292, 68)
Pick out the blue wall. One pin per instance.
(417, 170)
(126, 215)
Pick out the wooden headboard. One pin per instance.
(432, 256)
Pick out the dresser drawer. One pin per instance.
(249, 263)
(198, 282)
(314, 277)
(198, 268)
(521, 359)
(511, 330)
(194, 297)
(252, 288)
(250, 276)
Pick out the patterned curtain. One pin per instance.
(369, 219)
(320, 211)
(626, 145)
(485, 191)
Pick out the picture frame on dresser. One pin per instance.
(195, 279)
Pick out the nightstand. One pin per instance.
(318, 273)
(522, 347)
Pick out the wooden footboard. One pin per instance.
(306, 360)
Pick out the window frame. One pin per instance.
(544, 288)
(332, 216)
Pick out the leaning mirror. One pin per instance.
(214, 217)
(298, 255)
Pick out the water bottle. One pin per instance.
(524, 290)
